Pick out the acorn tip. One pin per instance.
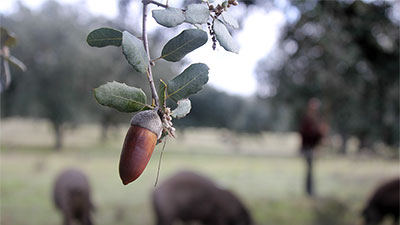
(125, 182)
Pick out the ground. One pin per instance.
(265, 171)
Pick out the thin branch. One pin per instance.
(146, 47)
(155, 3)
(159, 162)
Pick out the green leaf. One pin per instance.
(16, 62)
(7, 38)
(121, 97)
(162, 92)
(229, 20)
(104, 37)
(197, 13)
(224, 38)
(169, 17)
(184, 107)
(189, 82)
(181, 45)
(134, 52)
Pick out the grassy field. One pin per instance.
(264, 171)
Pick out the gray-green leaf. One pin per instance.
(121, 97)
(189, 82)
(229, 20)
(104, 37)
(134, 52)
(169, 17)
(224, 38)
(197, 13)
(183, 108)
(16, 62)
(181, 45)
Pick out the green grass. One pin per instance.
(264, 171)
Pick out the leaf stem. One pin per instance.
(146, 47)
(156, 59)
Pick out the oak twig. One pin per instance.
(146, 47)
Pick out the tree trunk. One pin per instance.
(343, 146)
(365, 144)
(58, 132)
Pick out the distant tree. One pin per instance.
(49, 47)
(212, 106)
(347, 55)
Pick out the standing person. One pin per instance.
(311, 130)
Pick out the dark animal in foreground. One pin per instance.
(72, 197)
(187, 197)
(383, 202)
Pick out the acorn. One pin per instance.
(145, 129)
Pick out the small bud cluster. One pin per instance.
(222, 7)
(167, 122)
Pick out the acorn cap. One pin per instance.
(148, 119)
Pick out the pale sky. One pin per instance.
(230, 72)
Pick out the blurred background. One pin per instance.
(242, 131)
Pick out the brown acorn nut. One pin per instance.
(145, 129)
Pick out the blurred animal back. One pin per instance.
(188, 196)
(383, 202)
(71, 195)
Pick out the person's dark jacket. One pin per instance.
(310, 133)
